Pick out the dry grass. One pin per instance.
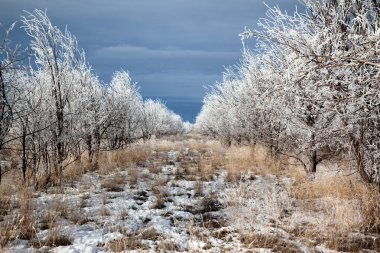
(123, 215)
(339, 186)
(190, 168)
(104, 198)
(338, 206)
(161, 181)
(164, 146)
(271, 242)
(370, 207)
(239, 160)
(120, 159)
(329, 207)
(326, 209)
(199, 188)
(83, 200)
(22, 225)
(260, 204)
(197, 146)
(126, 243)
(133, 176)
(77, 217)
(26, 223)
(105, 211)
(205, 170)
(5, 200)
(167, 245)
(155, 168)
(60, 207)
(8, 232)
(167, 144)
(160, 196)
(75, 171)
(56, 237)
(218, 160)
(133, 242)
(114, 183)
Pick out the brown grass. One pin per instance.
(77, 217)
(5, 200)
(114, 183)
(56, 237)
(133, 242)
(164, 146)
(339, 186)
(348, 203)
(8, 232)
(124, 214)
(371, 209)
(160, 195)
(120, 159)
(23, 223)
(105, 211)
(161, 181)
(126, 243)
(197, 146)
(167, 245)
(60, 207)
(205, 170)
(133, 176)
(239, 161)
(104, 198)
(271, 242)
(155, 168)
(199, 188)
(218, 160)
(190, 168)
(77, 169)
(242, 159)
(27, 231)
(83, 200)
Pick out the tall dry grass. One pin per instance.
(243, 159)
(121, 159)
(350, 203)
(21, 221)
(326, 208)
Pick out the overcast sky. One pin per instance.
(172, 48)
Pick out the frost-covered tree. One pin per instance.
(309, 88)
(64, 69)
(8, 58)
(8, 90)
(125, 104)
(55, 109)
(158, 120)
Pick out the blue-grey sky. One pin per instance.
(172, 48)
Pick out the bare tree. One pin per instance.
(58, 56)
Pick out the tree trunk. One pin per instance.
(24, 161)
(46, 161)
(313, 156)
(89, 147)
(59, 134)
(359, 157)
(313, 161)
(97, 146)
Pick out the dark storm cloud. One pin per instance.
(172, 48)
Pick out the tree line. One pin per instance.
(54, 109)
(309, 88)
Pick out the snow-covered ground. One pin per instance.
(168, 209)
